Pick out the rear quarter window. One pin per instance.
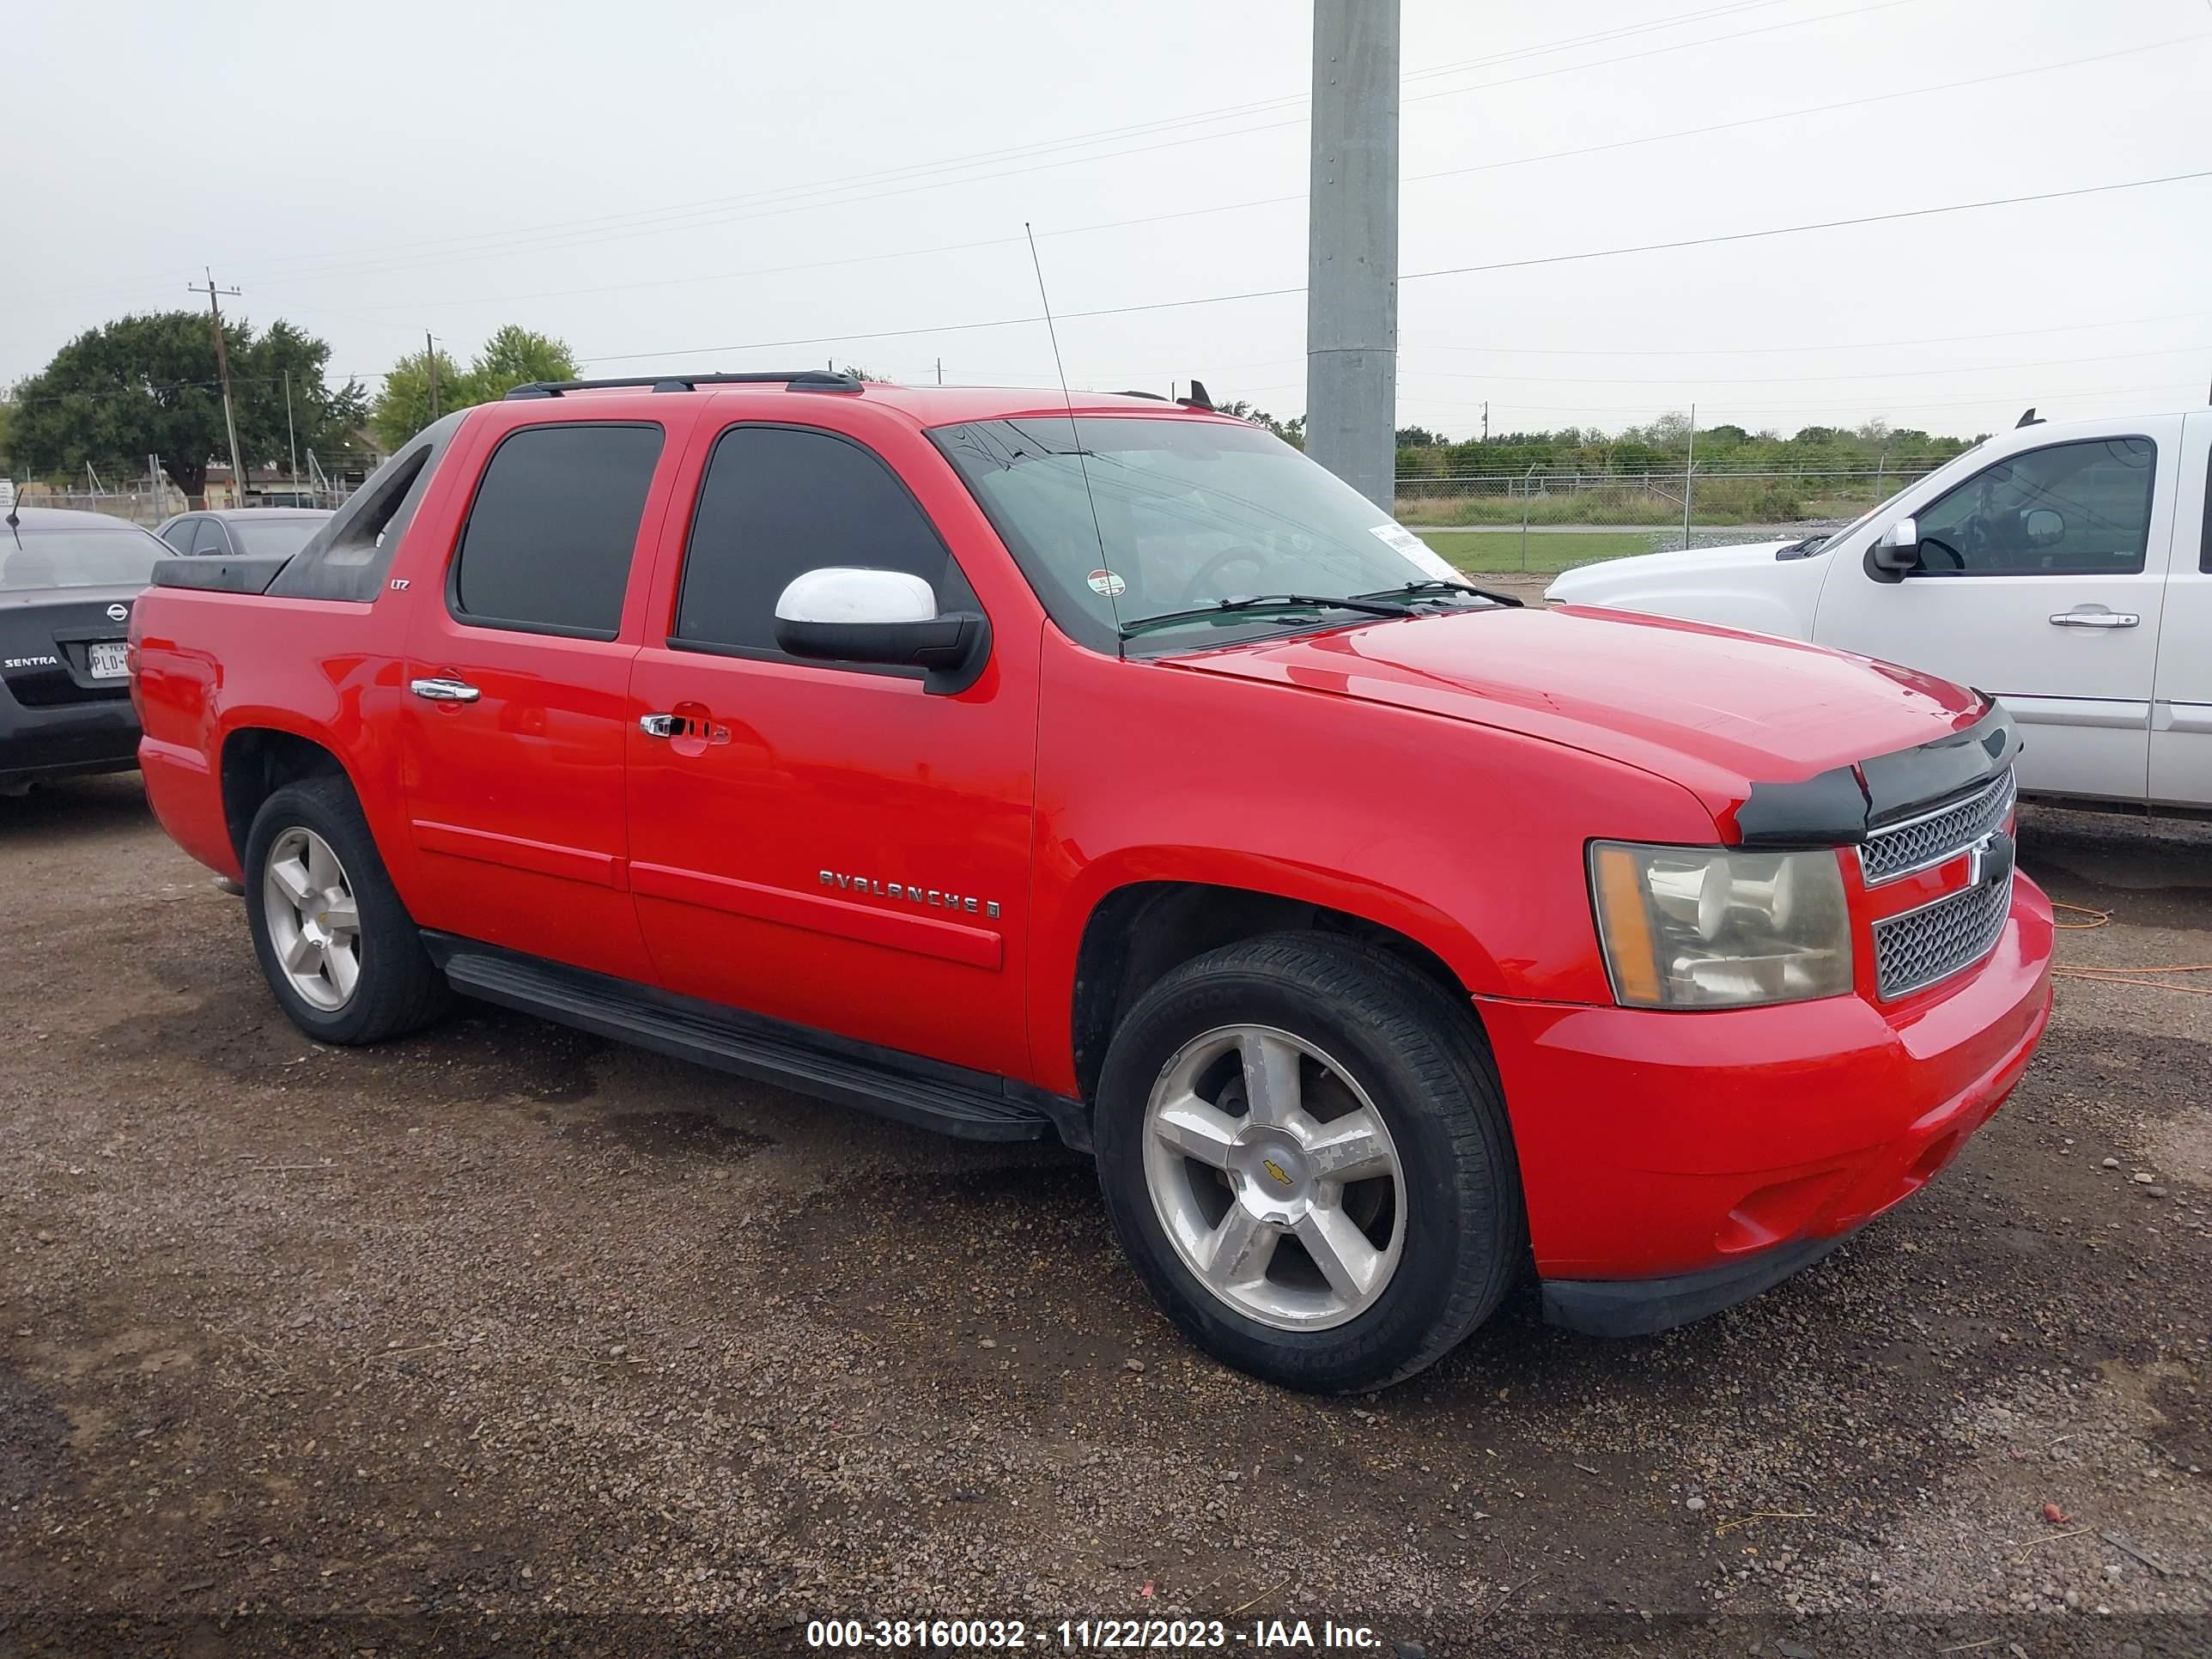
(549, 539)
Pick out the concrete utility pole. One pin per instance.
(291, 442)
(1352, 259)
(1689, 476)
(430, 359)
(222, 369)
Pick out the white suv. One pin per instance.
(2067, 568)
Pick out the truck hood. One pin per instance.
(1696, 562)
(1745, 587)
(1715, 709)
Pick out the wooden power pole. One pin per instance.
(222, 371)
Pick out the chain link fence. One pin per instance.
(1716, 495)
(149, 504)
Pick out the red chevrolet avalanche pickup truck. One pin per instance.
(1107, 770)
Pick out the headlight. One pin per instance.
(1700, 927)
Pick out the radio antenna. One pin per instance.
(1104, 580)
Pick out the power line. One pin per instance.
(1277, 201)
(1797, 230)
(1421, 275)
(769, 204)
(1807, 109)
(979, 158)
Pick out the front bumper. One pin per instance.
(1673, 1163)
(38, 741)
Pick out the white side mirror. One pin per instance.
(886, 618)
(1897, 550)
(843, 593)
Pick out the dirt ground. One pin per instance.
(502, 1339)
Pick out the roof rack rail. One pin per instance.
(799, 380)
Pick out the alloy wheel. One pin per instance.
(1274, 1178)
(314, 924)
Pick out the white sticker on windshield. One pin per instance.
(1405, 541)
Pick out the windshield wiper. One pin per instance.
(1372, 607)
(1440, 585)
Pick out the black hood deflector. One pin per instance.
(1839, 808)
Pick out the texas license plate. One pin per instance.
(111, 660)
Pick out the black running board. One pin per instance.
(928, 1094)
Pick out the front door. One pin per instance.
(827, 845)
(2181, 713)
(2040, 581)
(519, 675)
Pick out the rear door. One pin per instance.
(2181, 713)
(520, 675)
(825, 844)
(2041, 578)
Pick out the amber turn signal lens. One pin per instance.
(1630, 946)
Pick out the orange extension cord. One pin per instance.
(2148, 979)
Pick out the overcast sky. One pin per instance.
(685, 184)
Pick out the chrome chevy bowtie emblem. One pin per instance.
(1990, 858)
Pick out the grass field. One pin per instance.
(1493, 550)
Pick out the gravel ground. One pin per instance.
(502, 1339)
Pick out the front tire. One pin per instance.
(338, 948)
(1304, 1149)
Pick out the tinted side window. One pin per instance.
(180, 535)
(777, 501)
(548, 542)
(210, 538)
(2068, 510)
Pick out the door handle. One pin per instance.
(2096, 619)
(661, 726)
(445, 690)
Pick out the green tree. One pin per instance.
(281, 375)
(512, 357)
(149, 386)
(515, 356)
(1292, 432)
(404, 408)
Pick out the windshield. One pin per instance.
(272, 535)
(105, 557)
(1188, 512)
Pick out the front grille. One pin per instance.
(1914, 951)
(1936, 836)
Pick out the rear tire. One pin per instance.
(1378, 1158)
(339, 951)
